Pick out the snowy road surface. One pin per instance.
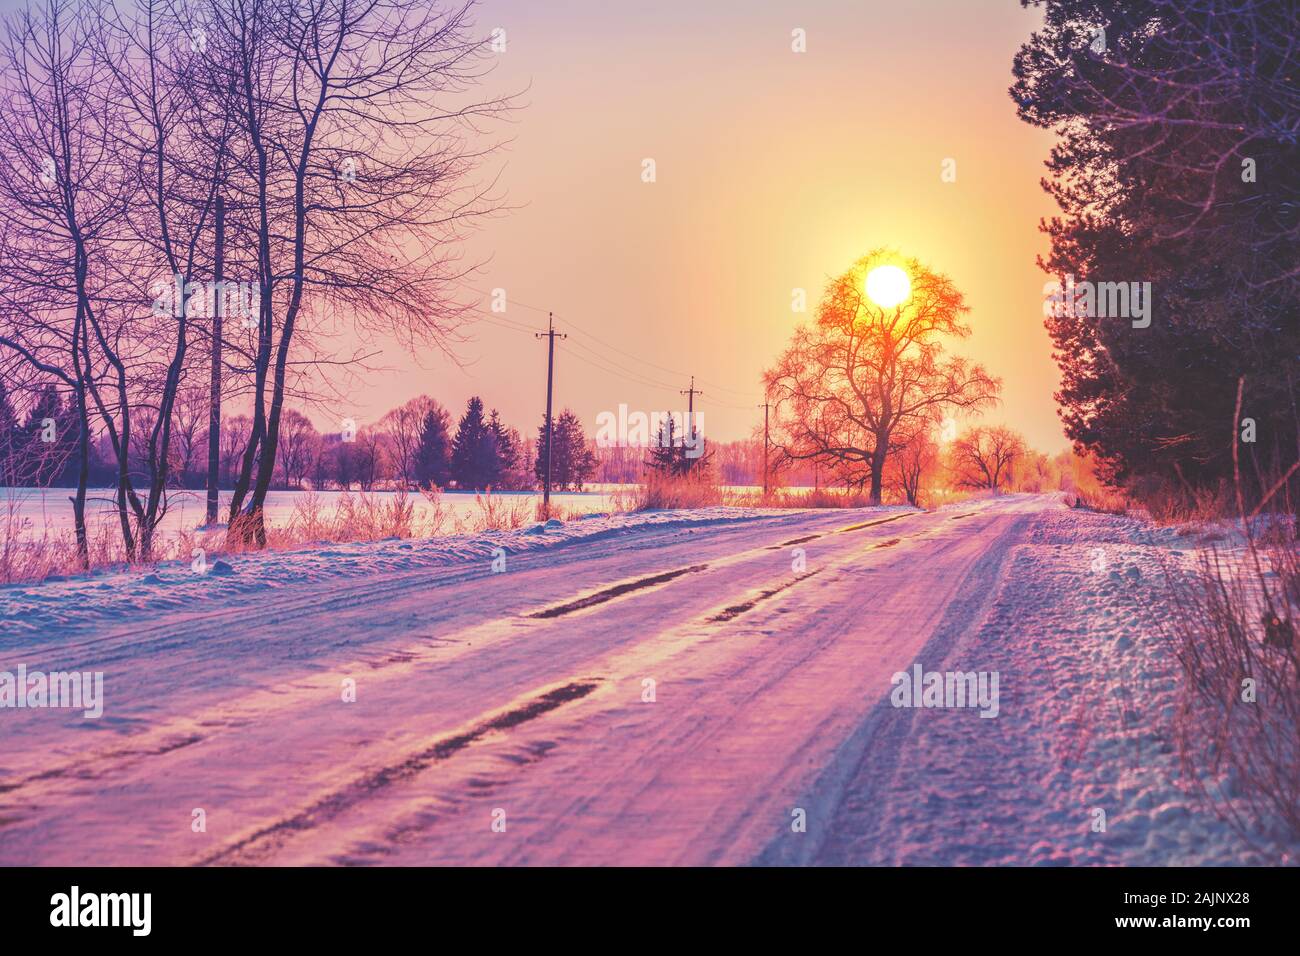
(667, 689)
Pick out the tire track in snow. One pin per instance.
(851, 788)
(622, 589)
(267, 840)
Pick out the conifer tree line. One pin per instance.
(1179, 165)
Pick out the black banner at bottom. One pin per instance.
(333, 906)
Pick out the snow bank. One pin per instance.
(1080, 766)
(108, 596)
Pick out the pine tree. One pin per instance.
(669, 455)
(539, 465)
(433, 453)
(510, 468)
(9, 440)
(1161, 131)
(582, 460)
(47, 461)
(572, 463)
(474, 461)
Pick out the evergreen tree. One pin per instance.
(48, 440)
(670, 453)
(474, 461)
(572, 462)
(433, 453)
(539, 465)
(1165, 115)
(580, 459)
(510, 467)
(9, 440)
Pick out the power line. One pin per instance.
(592, 358)
(603, 363)
(678, 373)
(623, 368)
(661, 368)
(624, 376)
(502, 321)
(620, 371)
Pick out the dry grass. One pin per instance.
(361, 517)
(662, 492)
(659, 492)
(556, 511)
(23, 557)
(1168, 504)
(801, 498)
(1102, 500)
(496, 513)
(1238, 728)
(26, 555)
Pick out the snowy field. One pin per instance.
(39, 509)
(694, 687)
(35, 512)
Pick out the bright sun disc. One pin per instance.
(888, 286)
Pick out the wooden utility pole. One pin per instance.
(765, 406)
(550, 335)
(214, 396)
(690, 409)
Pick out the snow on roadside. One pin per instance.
(1089, 690)
(109, 596)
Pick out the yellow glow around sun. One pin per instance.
(888, 286)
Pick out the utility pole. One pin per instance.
(550, 335)
(214, 397)
(765, 406)
(690, 408)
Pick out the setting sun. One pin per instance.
(888, 286)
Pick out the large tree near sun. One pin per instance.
(865, 379)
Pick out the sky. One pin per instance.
(774, 170)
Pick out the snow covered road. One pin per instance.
(690, 688)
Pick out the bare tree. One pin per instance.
(912, 462)
(370, 457)
(403, 426)
(176, 149)
(299, 444)
(984, 457)
(62, 200)
(343, 461)
(188, 432)
(235, 431)
(355, 121)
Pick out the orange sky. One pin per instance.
(774, 170)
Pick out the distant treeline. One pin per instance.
(417, 446)
(413, 446)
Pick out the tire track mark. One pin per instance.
(264, 842)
